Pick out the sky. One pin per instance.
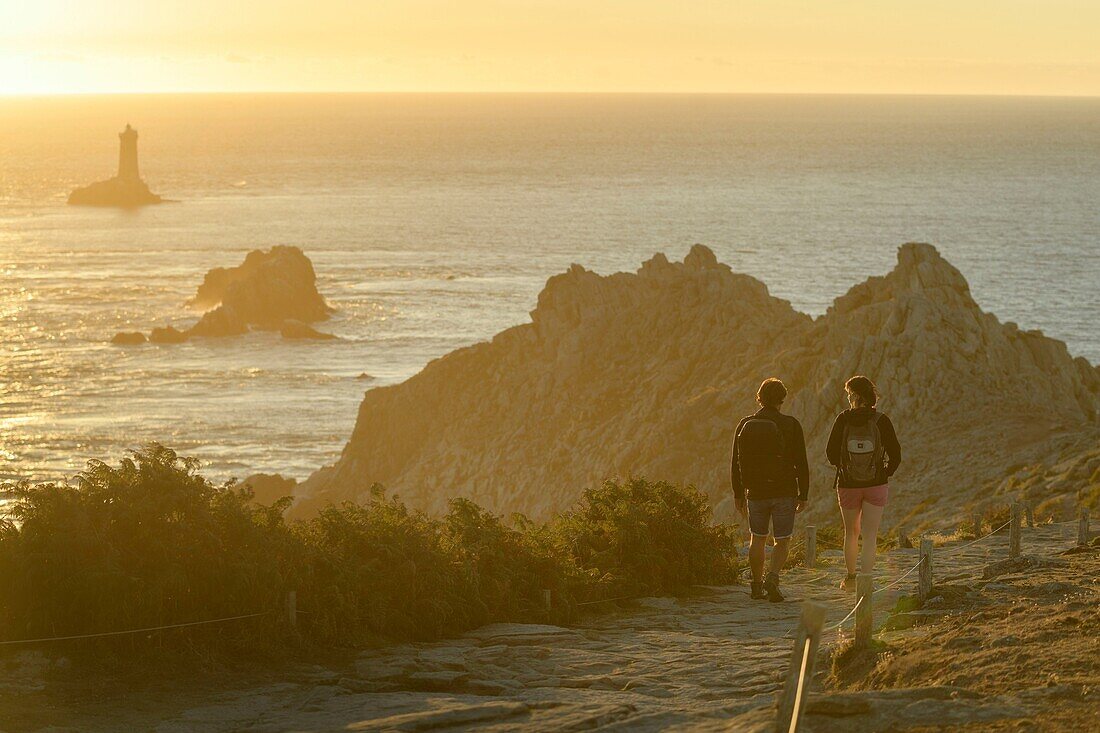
(1049, 47)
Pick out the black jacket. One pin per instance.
(795, 441)
(890, 444)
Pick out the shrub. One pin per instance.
(152, 542)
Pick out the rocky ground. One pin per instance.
(1006, 646)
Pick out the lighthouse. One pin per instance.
(126, 189)
(127, 154)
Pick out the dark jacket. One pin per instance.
(795, 441)
(890, 444)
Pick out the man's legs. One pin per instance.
(759, 520)
(756, 556)
(783, 527)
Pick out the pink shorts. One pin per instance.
(854, 498)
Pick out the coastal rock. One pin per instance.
(128, 338)
(167, 335)
(266, 289)
(292, 329)
(267, 488)
(222, 321)
(646, 374)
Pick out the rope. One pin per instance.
(983, 537)
(899, 579)
(606, 600)
(801, 684)
(133, 631)
(840, 623)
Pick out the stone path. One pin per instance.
(663, 664)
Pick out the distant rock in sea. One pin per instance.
(128, 338)
(647, 373)
(274, 290)
(124, 190)
(267, 488)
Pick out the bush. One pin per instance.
(154, 543)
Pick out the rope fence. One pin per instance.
(147, 630)
(809, 631)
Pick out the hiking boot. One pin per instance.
(771, 587)
(849, 583)
(758, 591)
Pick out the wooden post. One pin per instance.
(977, 522)
(811, 546)
(903, 539)
(865, 584)
(546, 599)
(1014, 532)
(924, 574)
(292, 608)
(1083, 526)
(1029, 514)
(801, 669)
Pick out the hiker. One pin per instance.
(771, 480)
(865, 451)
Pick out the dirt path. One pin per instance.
(663, 664)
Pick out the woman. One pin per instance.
(865, 450)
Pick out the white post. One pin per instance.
(801, 669)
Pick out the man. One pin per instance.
(771, 480)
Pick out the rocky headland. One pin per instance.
(274, 290)
(646, 374)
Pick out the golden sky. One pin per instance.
(821, 46)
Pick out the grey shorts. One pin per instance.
(779, 513)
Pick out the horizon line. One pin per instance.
(354, 92)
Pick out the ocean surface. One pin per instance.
(434, 220)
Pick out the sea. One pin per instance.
(433, 221)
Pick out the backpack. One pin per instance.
(862, 450)
(762, 455)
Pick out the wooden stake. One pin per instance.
(1083, 526)
(924, 574)
(1014, 532)
(1029, 514)
(811, 546)
(903, 539)
(865, 585)
(977, 523)
(546, 599)
(292, 608)
(809, 627)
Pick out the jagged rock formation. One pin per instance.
(273, 290)
(647, 373)
(124, 190)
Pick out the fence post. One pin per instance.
(924, 584)
(865, 583)
(292, 608)
(1029, 514)
(1014, 532)
(811, 546)
(546, 599)
(1083, 526)
(903, 539)
(977, 522)
(798, 674)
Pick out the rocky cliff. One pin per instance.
(647, 374)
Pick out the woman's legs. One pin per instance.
(870, 519)
(851, 537)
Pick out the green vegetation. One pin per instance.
(152, 542)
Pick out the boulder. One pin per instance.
(267, 488)
(292, 329)
(647, 373)
(167, 335)
(222, 321)
(128, 338)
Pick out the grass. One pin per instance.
(152, 542)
